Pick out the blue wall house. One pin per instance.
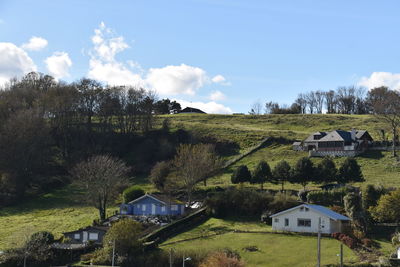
(149, 204)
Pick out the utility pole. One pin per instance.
(341, 255)
(113, 255)
(319, 244)
(170, 257)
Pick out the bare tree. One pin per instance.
(102, 177)
(386, 106)
(193, 164)
(311, 101)
(319, 101)
(330, 101)
(256, 108)
(301, 102)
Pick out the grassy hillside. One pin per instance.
(62, 210)
(273, 248)
(57, 212)
(248, 130)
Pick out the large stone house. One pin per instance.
(336, 143)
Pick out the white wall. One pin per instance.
(297, 214)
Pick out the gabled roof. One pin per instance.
(319, 209)
(191, 110)
(161, 199)
(337, 135)
(310, 138)
(88, 228)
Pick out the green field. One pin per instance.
(273, 249)
(57, 212)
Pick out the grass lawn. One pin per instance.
(274, 249)
(57, 212)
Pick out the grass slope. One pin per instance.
(57, 212)
(274, 249)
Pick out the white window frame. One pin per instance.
(304, 224)
(174, 207)
(77, 236)
(143, 207)
(162, 208)
(276, 220)
(286, 221)
(91, 236)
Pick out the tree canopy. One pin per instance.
(303, 172)
(282, 173)
(241, 175)
(350, 171)
(261, 174)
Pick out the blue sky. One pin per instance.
(221, 55)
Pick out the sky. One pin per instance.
(217, 55)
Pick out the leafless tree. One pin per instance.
(193, 164)
(330, 101)
(102, 177)
(302, 103)
(386, 106)
(256, 108)
(346, 98)
(311, 101)
(319, 101)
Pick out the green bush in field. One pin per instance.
(328, 197)
(132, 193)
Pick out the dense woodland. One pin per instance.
(47, 126)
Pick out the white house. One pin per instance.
(305, 218)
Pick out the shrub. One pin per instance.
(367, 242)
(132, 193)
(328, 197)
(218, 259)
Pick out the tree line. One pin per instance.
(303, 172)
(47, 125)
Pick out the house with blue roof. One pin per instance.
(309, 218)
(150, 204)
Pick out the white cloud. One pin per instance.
(218, 79)
(58, 64)
(102, 64)
(35, 44)
(391, 80)
(172, 80)
(217, 95)
(14, 62)
(209, 107)
(168, 80)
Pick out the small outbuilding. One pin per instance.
(192, 110)
(150, 204)
(93, 234)
(307, 218)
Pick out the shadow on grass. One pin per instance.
(68, 197)
(372, 155)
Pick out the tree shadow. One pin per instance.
(372, 154)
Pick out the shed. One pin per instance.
(150, 204)
(305, 218)
(91, 233)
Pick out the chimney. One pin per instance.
(353, 134)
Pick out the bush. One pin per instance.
(132, 193)
(328, 197)
(244, 202)
(218, 259)
(345, 239)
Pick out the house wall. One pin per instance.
(336, 153)
(85, 232)
(296, 214)
(149, 206)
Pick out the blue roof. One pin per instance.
(320, 209)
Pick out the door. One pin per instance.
(153, 209)
(85, 237)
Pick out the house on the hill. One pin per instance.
(336, 143)
(192, 110)
(307, 218)
(93, 234)
(150, 204)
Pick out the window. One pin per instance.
(143, 207)
(77, 236)
(306, 209)
(93, 236)
(276, 220)
(286, 222)
(304, 222)
(174, 207)
(163, 208)
(302, 209)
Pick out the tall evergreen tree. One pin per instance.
(326, 171)
(350, 171)
(241, 175)
(261, 174)
(282, 173)
(303, 172)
